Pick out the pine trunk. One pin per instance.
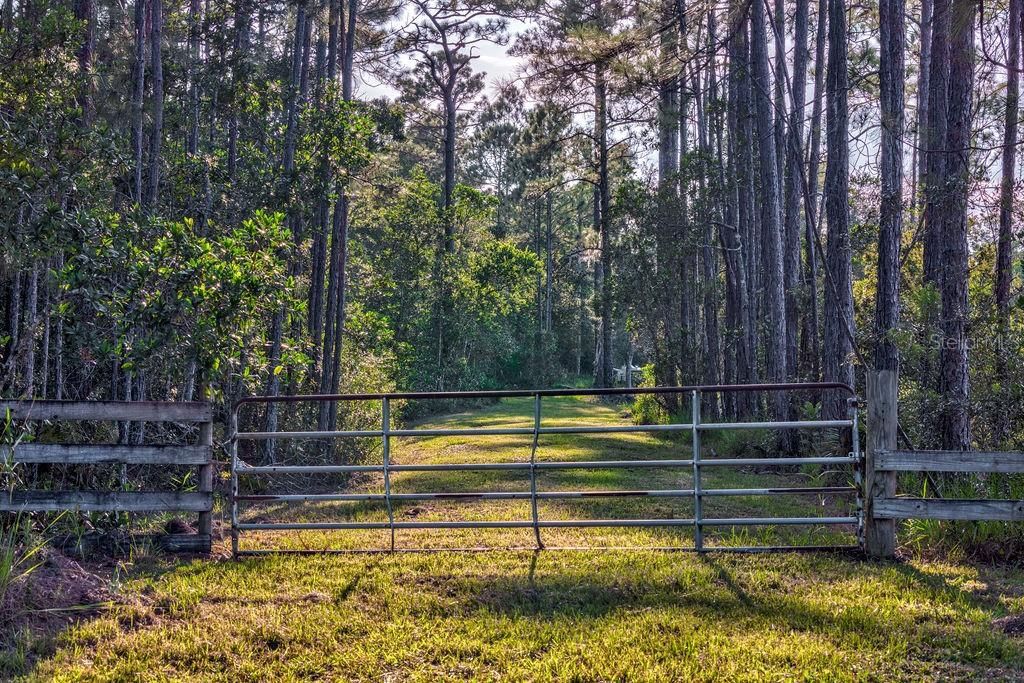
(953, 378)
(157, 134)
(771, 212)
(890, 227)
(838, 291)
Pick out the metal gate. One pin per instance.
(695, 464)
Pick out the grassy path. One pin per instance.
(561, 615)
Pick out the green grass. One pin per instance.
(597, 615)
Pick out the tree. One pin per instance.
(771, 212)
(1007, 185)
(156, 135)
(935, 180)
(737, 230)
(890, 226)
(443, 39)
(794, 184)
(838, 345)
(85, 12)
(138, 95)
(953, 377)
(1007, 189)
(810, 333)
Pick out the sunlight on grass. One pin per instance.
(593, 615)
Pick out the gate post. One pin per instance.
(880, 534)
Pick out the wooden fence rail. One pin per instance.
(883, 461)
(199, 455)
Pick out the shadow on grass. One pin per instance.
(716, 595)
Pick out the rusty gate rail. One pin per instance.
(696, 463)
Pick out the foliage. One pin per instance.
(200, 295)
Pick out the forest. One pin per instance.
(323, 196)
(236, 234)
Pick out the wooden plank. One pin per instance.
(92, 543)
(105, 501)
(184, 543)
(1009, 462)
(76, 454)
(936, 508)
(131, 411)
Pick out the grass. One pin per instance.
(598, 615)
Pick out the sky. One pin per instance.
(493, 60)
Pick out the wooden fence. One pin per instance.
(883, 461)
(199, 455)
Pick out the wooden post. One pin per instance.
(880, 534)
(206, 471)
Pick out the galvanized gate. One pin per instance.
(695, 464)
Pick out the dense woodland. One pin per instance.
(314, 196)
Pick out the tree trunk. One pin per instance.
(935, 181)
(751, 225)
(1004, 253)
(737, 237)
(194, 33)
(28, 374)
(1004, 274)
(667, 235)
(157, 134)
(838, 294)
(890, 226)
(953, 378)
(288, 166)
(549, 264)
(450, 119)
(240, 48)
(139, 94)
(339, 244)
(706, 105)
(771, 213)
(326, 60)
(924, 68)
(778, 24)
(347, 72)
(604, 371)
(812, 325)
(85, 11)
(58, 345)
(794, 187)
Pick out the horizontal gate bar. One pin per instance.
(783, 521)
(570, 548)
(483, 431)
(461, 466)
(521, 393)
(807, 424)
(749, 462)
(555, 523)
(616, 430)
(550, 495)
(263, 436)
(304, 469)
